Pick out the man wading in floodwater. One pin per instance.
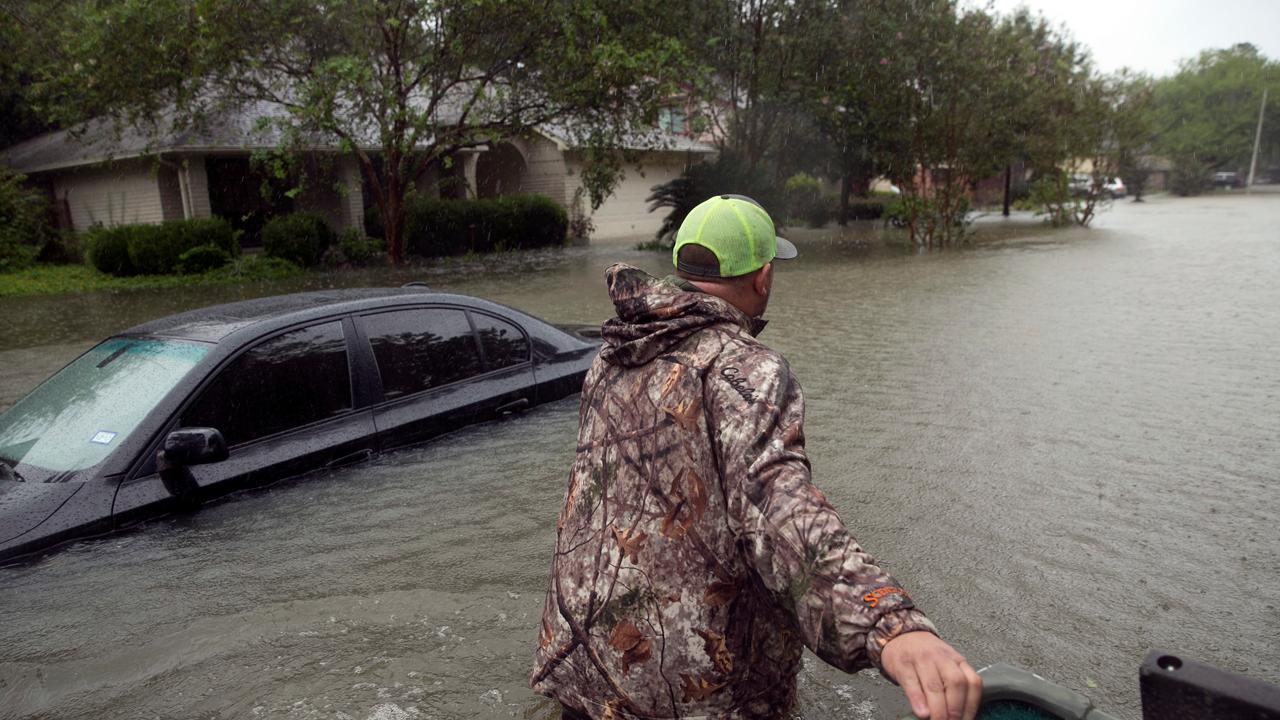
(694, 558)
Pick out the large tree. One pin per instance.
(1206, 114)
(399, 83)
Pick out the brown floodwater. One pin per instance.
(1066, 443)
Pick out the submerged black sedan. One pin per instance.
(172, 413)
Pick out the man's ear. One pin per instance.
(762, 283)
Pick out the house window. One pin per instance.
(672, 120)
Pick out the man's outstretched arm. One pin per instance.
(937, 680)
(849, 611)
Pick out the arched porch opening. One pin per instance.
(500, 171)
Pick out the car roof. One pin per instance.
(213, 324)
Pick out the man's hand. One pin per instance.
(938, 682)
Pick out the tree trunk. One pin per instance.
(846, 186)
(393, 220)
(1008, 187)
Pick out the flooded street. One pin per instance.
(1065, 443)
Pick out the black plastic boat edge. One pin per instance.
(1005, 682)
(1176, 688)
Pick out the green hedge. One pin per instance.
(202, 259)
(871, 208)
(300, 238)
(435, 227)
(107, 249)
(156, 249)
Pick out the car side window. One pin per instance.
(503, 343)
(282, 383)
(422, 348)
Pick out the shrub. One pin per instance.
(357, 248)
(1189, 176)
(62, 248)
(300, 238)
(871, 208)
(202, 258)
(156, 249)
(901, 210)
(805, 200)
(256, 267)
(22, 221)
(436, 227)
(352, 248)
(107, 249)
(208, 231)
(532, 221)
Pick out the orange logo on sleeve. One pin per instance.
(872, 598)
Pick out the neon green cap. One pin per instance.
(737, 231)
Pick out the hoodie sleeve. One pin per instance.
(845, 606)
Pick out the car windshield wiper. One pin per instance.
(10, 474)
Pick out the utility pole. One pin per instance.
(1257, 141)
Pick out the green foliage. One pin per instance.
(62, 248)
(22, 221)
(155, 249)
(202, 258)
(358, 249)
(1189, 176)
(436, 227)
(1206, 114)
(729, 173)
(253, 268)
(1051, 197)
(107, 249)
(300, 238)
(62, 279)
(349, 68)
(1061, 205)
(152, 249)
(806, 200)
(908, 211)
(872, 208)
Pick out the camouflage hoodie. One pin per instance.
(694, 558)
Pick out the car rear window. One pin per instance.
(422, 348)
(503, 343)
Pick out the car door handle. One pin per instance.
(352, 459)
(513, 406)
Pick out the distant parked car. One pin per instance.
(1227, 179)
(1081, 183)
(174, 412)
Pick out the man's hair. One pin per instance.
(696, 261)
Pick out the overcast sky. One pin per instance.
(1153, 35)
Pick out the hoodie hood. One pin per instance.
(656, 314)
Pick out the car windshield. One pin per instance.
(77, 417)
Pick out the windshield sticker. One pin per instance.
(103, 437)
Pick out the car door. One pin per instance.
(439, 373)
(284, 406)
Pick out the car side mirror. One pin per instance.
(194, 446)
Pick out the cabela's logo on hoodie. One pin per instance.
(734, 377)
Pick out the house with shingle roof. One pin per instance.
(100, 173)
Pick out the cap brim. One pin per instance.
(785, 250)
